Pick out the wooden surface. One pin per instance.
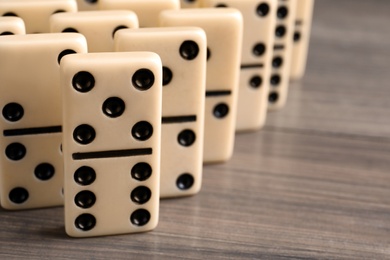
(314, 184)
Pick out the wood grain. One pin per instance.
(314, 184)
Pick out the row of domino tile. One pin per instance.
(32, 177)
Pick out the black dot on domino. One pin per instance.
(189, 50)
(275, 80)
(84, 134)
(64, 53)
(273, 97)
(44, 171)
(84, 175)
(6, 33)
(262, 9)
(113, 107)
(18, 195)
(141, 171)
(277, 62)
(167, 76)
(120, 27)
(15, 151)
(85, 222)
(221, 110)
(186, 137)
(143, 79)
(85, 199)
(208, 53)
(140, 217)
(142, 131)
(13, 112)
(255, 82)
(141, 195)
(83, 81)
(259, 49)
(10, 14)
(282, 12)
(221, 5)
(70, 30)
(91, 1)
(297, 36)
(185, 181)
(280, 31)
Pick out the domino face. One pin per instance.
(281, 62)
(11, 26)
(147, 10)
(111, 137)
(31, 173)
(183, 56)
(98, 27)
(87, 5)
(223, 27)
(36, 13)
(190, 3)
(257, 46)
(301, 38)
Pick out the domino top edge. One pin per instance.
(40, 37)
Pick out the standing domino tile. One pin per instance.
(146, 10)
(281, 63)
(257, 46)
(223, 27)
(190, 3)
(11, 26)
(87, 5)
(36, 13)
(301, 38)
(98, 27)
(183, 54)
(31, 173)
(112, 136)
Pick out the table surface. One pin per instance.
(313, 184)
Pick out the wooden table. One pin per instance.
(314, 184)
